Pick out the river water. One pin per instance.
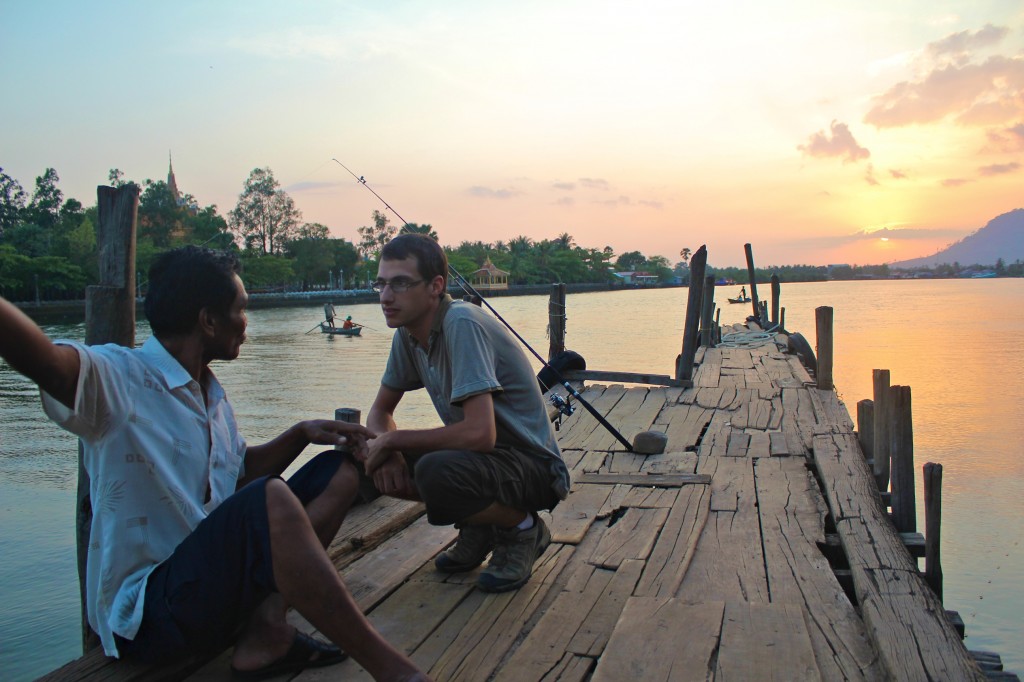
(956, 343)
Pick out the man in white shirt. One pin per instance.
(195, 537)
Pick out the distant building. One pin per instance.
(637, 278)
(172, 186)
(489, 277)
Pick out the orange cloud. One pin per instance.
(976, 94)
(999, 168)
(841, 144)
(958, 46)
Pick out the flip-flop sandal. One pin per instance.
(305, 652)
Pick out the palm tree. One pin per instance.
(421, 229)
(685, 254)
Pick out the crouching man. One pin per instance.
(195, 536)
(495, 462)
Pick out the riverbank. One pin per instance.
(73, 312)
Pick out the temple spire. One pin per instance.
(172, 184)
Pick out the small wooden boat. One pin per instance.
(340, 331)
(739, 300)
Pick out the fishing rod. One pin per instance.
(471, 290)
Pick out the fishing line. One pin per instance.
(471, 290)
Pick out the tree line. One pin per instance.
(48, 247)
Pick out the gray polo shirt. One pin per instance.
(468, 353)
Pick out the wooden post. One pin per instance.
(904, 506)
(755, 304)
(684, 364)
(556, 320)
(109, 318)
(707, 337)
(823, 316)
(776, 292)
(782, 317)
(880, 380)
(718, 326)
(866, 427)
(932, 526)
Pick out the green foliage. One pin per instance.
(420, 229)
(44, 208)
(12, 265)
(12, 202)
(372, 238)
(265, 271)
(265, 217)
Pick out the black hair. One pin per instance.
(431, 260)
(183, 281)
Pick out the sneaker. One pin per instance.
(515, 552)
(468, 552)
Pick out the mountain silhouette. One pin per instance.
(1003, 237)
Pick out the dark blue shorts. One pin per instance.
(199, 598)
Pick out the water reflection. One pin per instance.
(956, 343)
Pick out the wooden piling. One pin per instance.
(782, 317)
(866, 427)
(901, 439)
(776, 292)
(880, 380)
(684, 363)
(707, 336)
(109, 318)
(755, 304)
(556, 320)
(823, 317)
(932, 526)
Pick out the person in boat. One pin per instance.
(348, 323)
(743, 292)
(495, 462)
(329, 314)
(195, 536)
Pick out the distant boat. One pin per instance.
(340, 331)
(739, 300)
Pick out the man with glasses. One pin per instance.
(495, 463)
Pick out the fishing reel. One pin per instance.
(565, 408)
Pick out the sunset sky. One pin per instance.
(810, 129)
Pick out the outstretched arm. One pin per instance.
(272, 458)
(28, 350)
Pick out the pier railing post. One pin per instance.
(932, 526)
(684, 364)
(707, 336)
(880, 380)
(776, 293)
(904, 506)
(556, 320)
(755, 304)
(109, 318)
(823, 317)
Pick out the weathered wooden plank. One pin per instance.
(590, 462)
(728, 563)
(686, 423)
(577, 428)
(574, 515)
(828, 409)
(754, 637)
(616, 500)
(620, 414)
(376, 575)
(632, 537)
(367, 524)
(405, 620)
(625, 377)
(670, 558)
(792, 523)
(914, 638)
(624, 462)
(652, 498)
(646, 644)
(653, 480)
(670, 463)
(492, 630)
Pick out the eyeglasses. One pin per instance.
(398, 284)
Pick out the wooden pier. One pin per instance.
(757, 546)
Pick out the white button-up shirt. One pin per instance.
(159, 459)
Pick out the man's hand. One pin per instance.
(377, 452)
(332, 432)
(392, 478)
